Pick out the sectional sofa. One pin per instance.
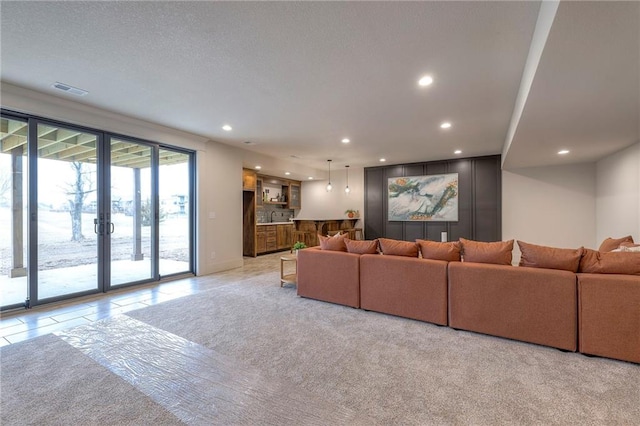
(571, 299)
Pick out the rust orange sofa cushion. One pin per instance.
(335, 243)
(535, 256)
(596, 262)
(449, 251)
(613, 243)
(498, 253)
(362, 246)
(392, 247)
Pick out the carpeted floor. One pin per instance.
(378, 368)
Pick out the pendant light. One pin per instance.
(329, 184)
(346, 189)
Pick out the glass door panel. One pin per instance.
(175, 212)
(132, 212)
(14, 198)
(67, 204)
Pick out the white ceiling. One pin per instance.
(294, 78)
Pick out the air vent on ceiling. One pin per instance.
(69, 89)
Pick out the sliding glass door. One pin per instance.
(132, 212)
(67, 211)
(87, 211)
(14, 196)
(175, 211)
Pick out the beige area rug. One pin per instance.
(380, 369)
(399, 371)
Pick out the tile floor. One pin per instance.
(19, 325)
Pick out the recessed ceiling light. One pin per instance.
(227, 128)
(310, 177)
(425, 81)
(457, 151)
(382, 160)
(345, 140)
(445, 125)
(287, 173)
(563, 152)
(258, 167)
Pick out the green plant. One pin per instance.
(299, 245)
(350, 211)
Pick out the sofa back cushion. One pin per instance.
(335, 243)
(596, 262)
(498, 252)
(613, 243)
(534, 256)
(398, 248)
(362, 246)
(440, 251)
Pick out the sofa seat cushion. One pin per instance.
(498, 252)
(535, 256)
(392, 247)
(449, 251)
(595, 262)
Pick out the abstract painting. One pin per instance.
(424, 198)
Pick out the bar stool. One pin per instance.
(302, 236)
(355, 233)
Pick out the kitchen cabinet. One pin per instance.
(283, 236)
(294, 197)
(259, 199)
(249, 179)
(271, 237)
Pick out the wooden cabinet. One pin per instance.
(259, 199)
(294, 197)
(272, 243)
(283, 236)
(261, 240)
(273, 237)
(249, 179)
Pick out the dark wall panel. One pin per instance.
(479, 201)
(374, 223)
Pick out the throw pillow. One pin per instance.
(335, 243)
(498, 252)
(440, 251)
(398, 248)
(596, 262)
(534, 256)
(362, 246)
(613, 243)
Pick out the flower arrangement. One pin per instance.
(352, 213)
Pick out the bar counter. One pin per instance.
(310, 228)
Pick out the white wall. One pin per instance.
(317, 203)
(618, 194)
(554, 206)
(218, 170)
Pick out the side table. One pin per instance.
(288, 278)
